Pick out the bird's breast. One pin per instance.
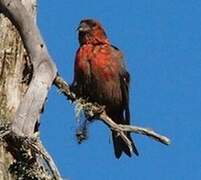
(100, 74)
(99, 59)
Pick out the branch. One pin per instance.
(96, 111)
(32, 160)
(44, 72)
(134, 129)
(64, 88)
(39, 149)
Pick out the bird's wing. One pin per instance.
(124, 78)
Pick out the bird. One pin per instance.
(100, 76)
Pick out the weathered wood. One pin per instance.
(44, 70)
(24, 78)
(13, 62)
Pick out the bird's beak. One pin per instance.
(79, 28)
(83, 27)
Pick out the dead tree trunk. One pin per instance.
(16, 72)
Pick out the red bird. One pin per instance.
(100, 76)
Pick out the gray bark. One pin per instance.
(13, 61)
(44, 73)
(26, 74)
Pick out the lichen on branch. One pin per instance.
(95, 111)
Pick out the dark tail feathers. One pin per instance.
(120, 146)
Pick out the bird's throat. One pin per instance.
(90, 38)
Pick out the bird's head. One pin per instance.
(91, 32)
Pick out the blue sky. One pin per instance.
(161, 41)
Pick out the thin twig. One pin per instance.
(134, 129)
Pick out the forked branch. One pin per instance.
(96, 111)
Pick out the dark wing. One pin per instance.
(124, 78)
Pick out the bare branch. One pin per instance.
(64, 88)
(134, 129)
(39, 149)
(97, 111)
(26, 149)
(44, 69)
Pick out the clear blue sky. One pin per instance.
(161, 41)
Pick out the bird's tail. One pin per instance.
(120, 145)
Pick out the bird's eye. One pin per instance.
(93, 24)
(90, 23)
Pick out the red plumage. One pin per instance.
(100, 76)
